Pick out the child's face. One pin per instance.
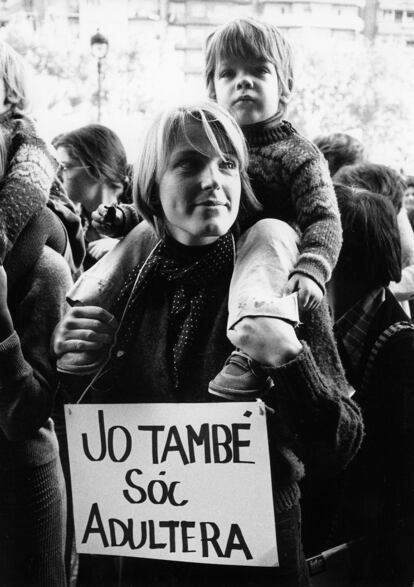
(248, 88)
(199, 191)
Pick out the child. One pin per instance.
(249, 71)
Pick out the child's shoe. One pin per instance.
(240, 379)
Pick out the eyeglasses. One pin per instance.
(67, 168)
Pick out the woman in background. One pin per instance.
(94, 171)
(376, 343)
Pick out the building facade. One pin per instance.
(395, 21)
(185, 24)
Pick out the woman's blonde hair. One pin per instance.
(167, 129)
(15, 77)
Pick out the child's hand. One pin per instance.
(309, 293)
(107, 220)
(97, 249)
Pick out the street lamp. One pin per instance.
(99, 49)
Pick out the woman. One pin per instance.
(94, 172)
(29, 192)
(32, 489)
(387, 182)
(191, 182)
(376, 343)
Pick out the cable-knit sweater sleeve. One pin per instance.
(291, 178)
(307, 174)
(25, 187)
(27, 370)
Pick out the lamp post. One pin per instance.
(99, 49)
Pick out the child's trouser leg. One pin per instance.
(266, 255)
(261, 318)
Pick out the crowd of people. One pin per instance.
(239, 260)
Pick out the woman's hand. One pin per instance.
(84, 329)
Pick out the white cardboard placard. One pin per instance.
(184, 482)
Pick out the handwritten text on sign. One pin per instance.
(187, 482)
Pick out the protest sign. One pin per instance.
(184, 482)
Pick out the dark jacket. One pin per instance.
(27, 369)
(378, 499)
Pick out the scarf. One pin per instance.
(187, 276)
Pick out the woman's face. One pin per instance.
(199, 191)
(80, 187)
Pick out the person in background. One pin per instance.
(409, 206)
(387, 182)
(409, 193)
(94, 171)
(376, 344)
(29, 192)
(32, 488)
(340, 149)
(191, 180)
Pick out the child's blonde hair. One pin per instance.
(166, 130)
(15, 77)
(248, 38)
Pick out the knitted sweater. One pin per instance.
(30, 170)
(27, 370)
(290, 177)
